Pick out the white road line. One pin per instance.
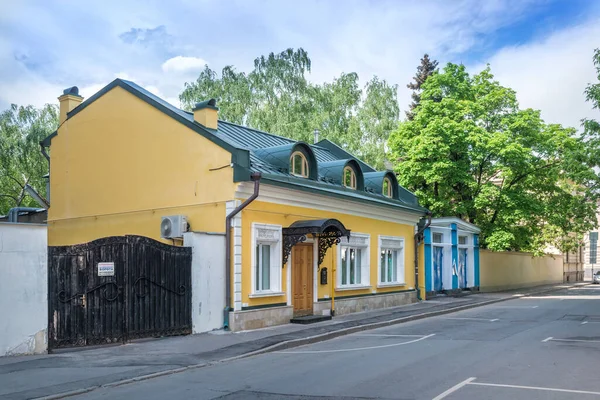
(355, 349)
(454, 389)
(514, 306)
(384, 335)
(472, 319)
(584, 322)
(533, 388)
(570, 340)
(547, 339)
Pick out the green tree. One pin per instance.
(426, 69)
(471, 152)
(277, 97)
(592, 95)
(21, 162)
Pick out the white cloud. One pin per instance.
(551, 74)
(183, 64)
(156, 46)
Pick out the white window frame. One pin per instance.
(433, 235)
(393, 243)
(466, 243)
(360, 241)
(270, 235)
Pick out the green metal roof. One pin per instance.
(253, 150)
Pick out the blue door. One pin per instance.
(462, 268)
(438, 256)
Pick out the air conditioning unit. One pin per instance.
(173, 226)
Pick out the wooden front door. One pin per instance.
(302, 279)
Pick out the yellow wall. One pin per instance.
(513, 270)
(120, 164)
(269, 213)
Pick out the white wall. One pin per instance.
(23, 289)
(208, 280)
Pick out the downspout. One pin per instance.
(418, 238)
(256, 178)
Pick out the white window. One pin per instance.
(391, 260)
(266, 259)
(437, 237)
(463, 240)
(262, 277)
(353, 261)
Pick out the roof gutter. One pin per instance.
(13, 213)
(256, 178)
(418, 239)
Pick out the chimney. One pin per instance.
(316, 133)
(206, 114)
(68, 101)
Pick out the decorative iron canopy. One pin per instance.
(327, 231)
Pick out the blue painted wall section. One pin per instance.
(476, 258)
(454, 256)
(428, 261)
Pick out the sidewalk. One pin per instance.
(83, 370)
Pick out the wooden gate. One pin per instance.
(118, 288)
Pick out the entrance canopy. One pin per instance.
(327, 231)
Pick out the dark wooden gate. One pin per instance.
(144, 290)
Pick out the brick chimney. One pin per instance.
(206, 114)
(68, 101)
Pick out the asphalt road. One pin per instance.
(545, 347)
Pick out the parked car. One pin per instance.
(596, 277)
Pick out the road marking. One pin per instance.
(454, 389)
(356, 349)
(531, 388)
(584, 322)
(514, 306)
(473, 319)
(570, 340)
(385, 335)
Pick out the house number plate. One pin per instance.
(106, 269)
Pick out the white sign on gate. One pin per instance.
(106, 269)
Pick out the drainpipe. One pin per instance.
(13, 213)
(256, 178)
(418, 238)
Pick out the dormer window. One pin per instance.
(299, 165)
(349, 178)
(387, 188)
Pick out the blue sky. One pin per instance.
(541, 48)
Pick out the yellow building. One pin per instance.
(318, 231)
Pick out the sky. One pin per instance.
(541, 48)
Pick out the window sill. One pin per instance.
(266, 294)
(356, 287)
(390, 284)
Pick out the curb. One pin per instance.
(288, 344)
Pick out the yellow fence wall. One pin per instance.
(514, 270)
